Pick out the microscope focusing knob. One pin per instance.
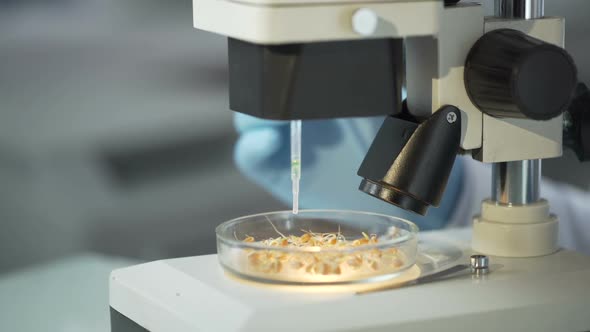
(510, 74)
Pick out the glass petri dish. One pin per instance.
(393, 251)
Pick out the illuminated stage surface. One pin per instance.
(550, 293)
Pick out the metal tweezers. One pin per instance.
(436, 276)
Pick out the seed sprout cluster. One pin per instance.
(316, 257)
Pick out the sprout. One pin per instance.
(313, 261)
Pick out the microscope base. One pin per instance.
(548, 293)
(515, 231)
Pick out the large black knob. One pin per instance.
(511, 74)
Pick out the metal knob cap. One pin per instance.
(480, 261)
(480, 265)
(365, 21)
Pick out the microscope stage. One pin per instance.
(550, 293)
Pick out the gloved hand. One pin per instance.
(332, 151)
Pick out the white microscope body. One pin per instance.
(533, 285)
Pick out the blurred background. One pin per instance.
(116, 148)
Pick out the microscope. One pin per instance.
(501, 89)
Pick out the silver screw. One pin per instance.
(451, 117)
(480, 264)
(480, 261)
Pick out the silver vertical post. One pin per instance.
(525, 9)
(517, 182)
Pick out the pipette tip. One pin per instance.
(295, 202)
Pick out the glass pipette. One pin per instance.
(295, 162)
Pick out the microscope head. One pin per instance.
(499, 95)
(334, 70)
(299, 59)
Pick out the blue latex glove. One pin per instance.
(332, 151)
